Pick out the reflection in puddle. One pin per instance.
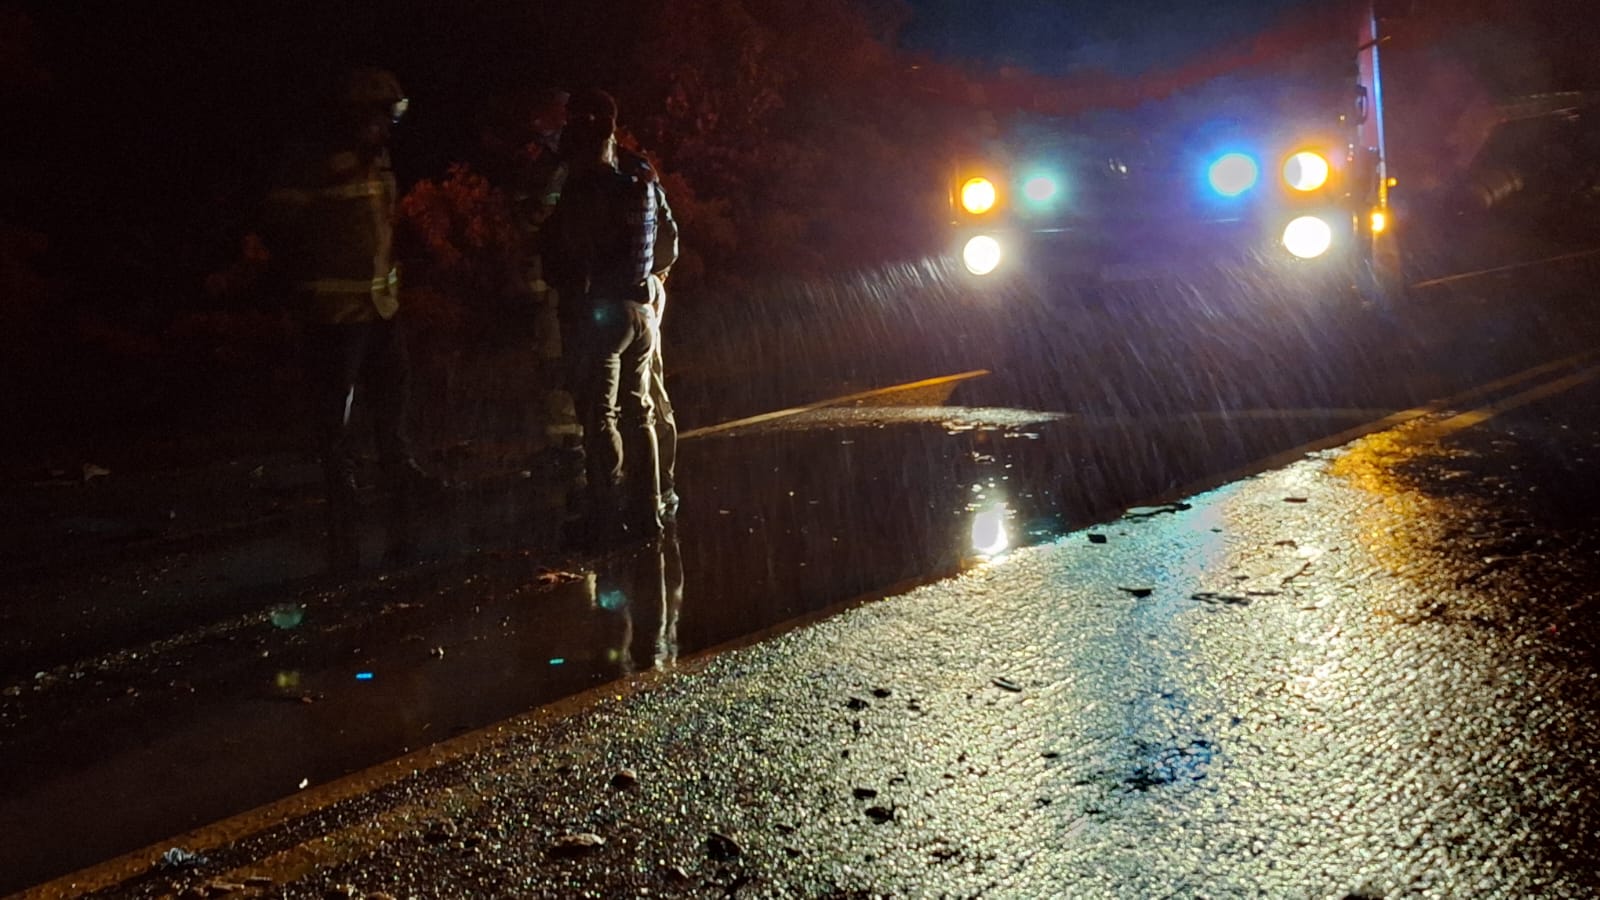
(989, 535)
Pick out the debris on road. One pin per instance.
(1096, 537)
(1140, 592)
(625, 779)
(1216, 599)
(555, 576)
(1150, 512)
(179, 858)
(1006, 684)
(576, 844)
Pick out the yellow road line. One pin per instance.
(1466, 276)
(835, 401)
(1485, 413)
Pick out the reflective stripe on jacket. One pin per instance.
(334, 219)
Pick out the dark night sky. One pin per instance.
(1128, 37)
(1054, 36)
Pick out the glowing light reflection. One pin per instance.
(989, 536)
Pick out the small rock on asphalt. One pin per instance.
(576, 844)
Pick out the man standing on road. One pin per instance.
(599, 253)
(666, 253)
(331, 223)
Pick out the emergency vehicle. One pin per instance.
(1280, 164)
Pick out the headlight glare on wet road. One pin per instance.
(981, 255)
(978, 196)
(989, 537)
(1306, 171)
(1308, 237)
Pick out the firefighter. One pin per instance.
(598, 251)
(331, 219)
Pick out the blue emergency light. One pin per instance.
(1233, 173)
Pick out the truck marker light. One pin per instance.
(1308, 237)
(978, 196)
(981, 255)
(1306, 171)
(1380, 221)
(1232, 174)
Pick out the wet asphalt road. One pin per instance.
(157, 690)
(1366, 674)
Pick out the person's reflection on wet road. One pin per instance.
(643, 589)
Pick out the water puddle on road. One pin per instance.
(777, 524)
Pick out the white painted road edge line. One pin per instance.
(1466, 276)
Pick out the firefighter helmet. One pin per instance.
(368, 87)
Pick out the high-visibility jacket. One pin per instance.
(332, 226)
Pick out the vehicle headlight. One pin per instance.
(1232, 174)
(1306, 171)
(981, 255)
(978, 195)
(1308, 237)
